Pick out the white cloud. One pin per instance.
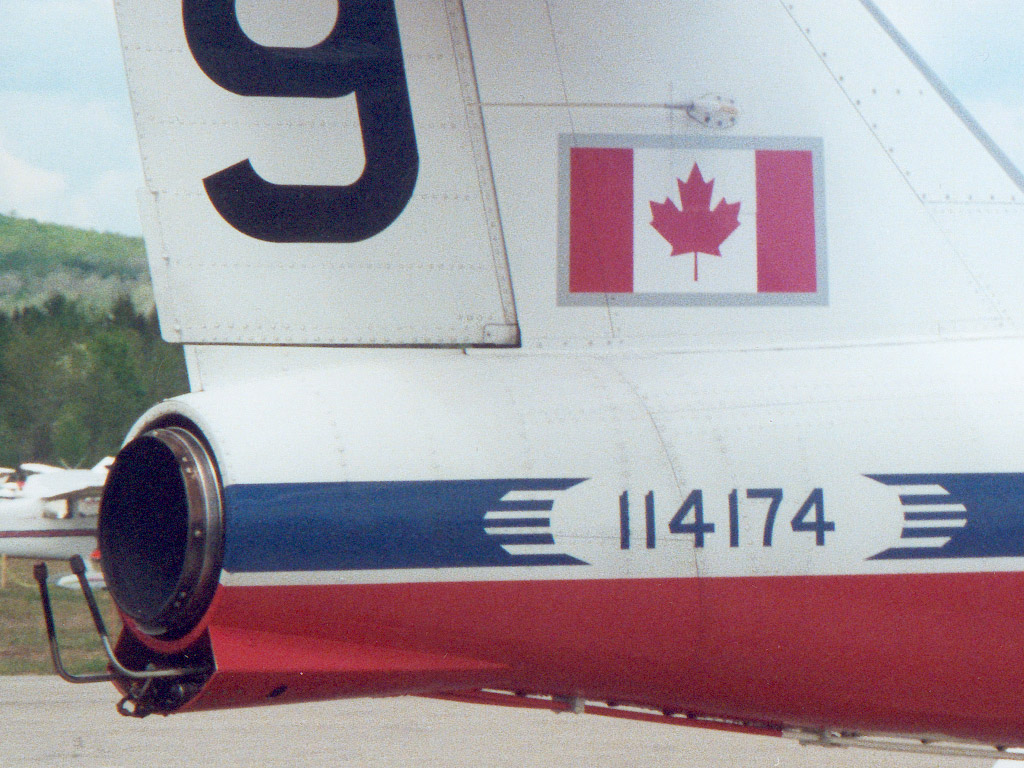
(95, 197)
(87, 142)
(29, 190)
(53, 45)
(68, 141)
(107, 203)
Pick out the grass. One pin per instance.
(23, 646)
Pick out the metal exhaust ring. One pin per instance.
(161, 531)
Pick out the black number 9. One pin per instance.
(361, 55)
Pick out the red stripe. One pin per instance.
(910, 653)
(786, 258)
(600, 220)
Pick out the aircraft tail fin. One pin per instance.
(682, 175)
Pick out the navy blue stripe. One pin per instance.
(649, 519)
(908, 499)
(624, 520)
(378, 525)
(523, 538)
(524, 505)
(993, 514)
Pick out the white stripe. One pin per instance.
(533, 549)
(537, 495)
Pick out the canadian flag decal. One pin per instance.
(722, 221)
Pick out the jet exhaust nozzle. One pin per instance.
(161, 531)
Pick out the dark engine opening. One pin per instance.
(160, 531)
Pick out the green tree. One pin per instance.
(73, 381)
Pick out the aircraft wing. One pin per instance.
(35, 468)
(65, 484)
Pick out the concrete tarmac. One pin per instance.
(46, 722)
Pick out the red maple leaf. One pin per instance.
(695, 228)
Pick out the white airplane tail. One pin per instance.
(608, 183)
(677, 175)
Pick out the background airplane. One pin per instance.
(551, 353)
(48, 512)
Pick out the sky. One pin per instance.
(977, 49)
(67, 145)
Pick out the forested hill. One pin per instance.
(38, 260)
(80, 354)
